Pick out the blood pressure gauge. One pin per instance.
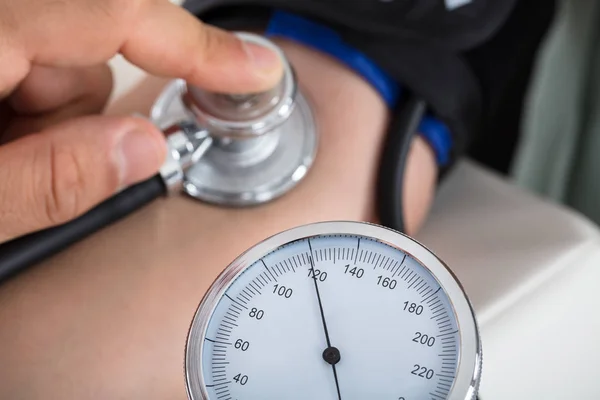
(334, 310)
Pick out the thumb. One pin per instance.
(52, 177)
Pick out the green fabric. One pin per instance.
(559, 153)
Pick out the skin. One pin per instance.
(108, 318)
(58, 157)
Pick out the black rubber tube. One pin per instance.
(22, 253)
(390, 185)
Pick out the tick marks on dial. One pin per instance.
(404, 268)
(369, 257)
(252, 288)
(321, 255)
(257, 284)
(236, 309)
(217, 341)
(376, 261)
(395, 268)
(224, 330)
(447, 334)
(245, 295)
(237, 302)
(262, 280)
(429, 296)
(268, 270)
(436, 305)
(421, 288)
(406, 271)
(387, 264)
(219, 384)
(304, 261)
(227, 319)
(415, 282)
(412, 280)
(289, 265)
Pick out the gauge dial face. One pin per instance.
(330, 316)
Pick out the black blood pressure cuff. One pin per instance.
(419, 44)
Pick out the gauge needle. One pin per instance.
(331, 354)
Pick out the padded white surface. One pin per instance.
(532, 271)
(125, 75)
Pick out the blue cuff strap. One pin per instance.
(439, 138)
(328, 41)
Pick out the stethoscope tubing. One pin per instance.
(22, 253)
(390, 186)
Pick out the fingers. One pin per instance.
(6, 115)
(54, 176)
(168, 41)
(46, 89)
(156, 35)
(48, 96)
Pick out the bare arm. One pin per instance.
(108, 318)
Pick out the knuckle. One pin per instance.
(209, 43)
(211, 46)
(120, 13)
(63, 198)
(112, 9)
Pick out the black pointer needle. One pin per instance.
(331, 355)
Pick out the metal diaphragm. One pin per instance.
(263, 143)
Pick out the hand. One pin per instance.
(58, 160)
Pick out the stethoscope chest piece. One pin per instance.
(262, 145)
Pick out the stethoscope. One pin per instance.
(227, 150)
(243, 150)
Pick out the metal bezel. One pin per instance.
(468, 371)
(271, 190)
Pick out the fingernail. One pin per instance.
(266, 61)
(139, 156)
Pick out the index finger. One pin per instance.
(169, 41)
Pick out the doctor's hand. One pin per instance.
(58, 160)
